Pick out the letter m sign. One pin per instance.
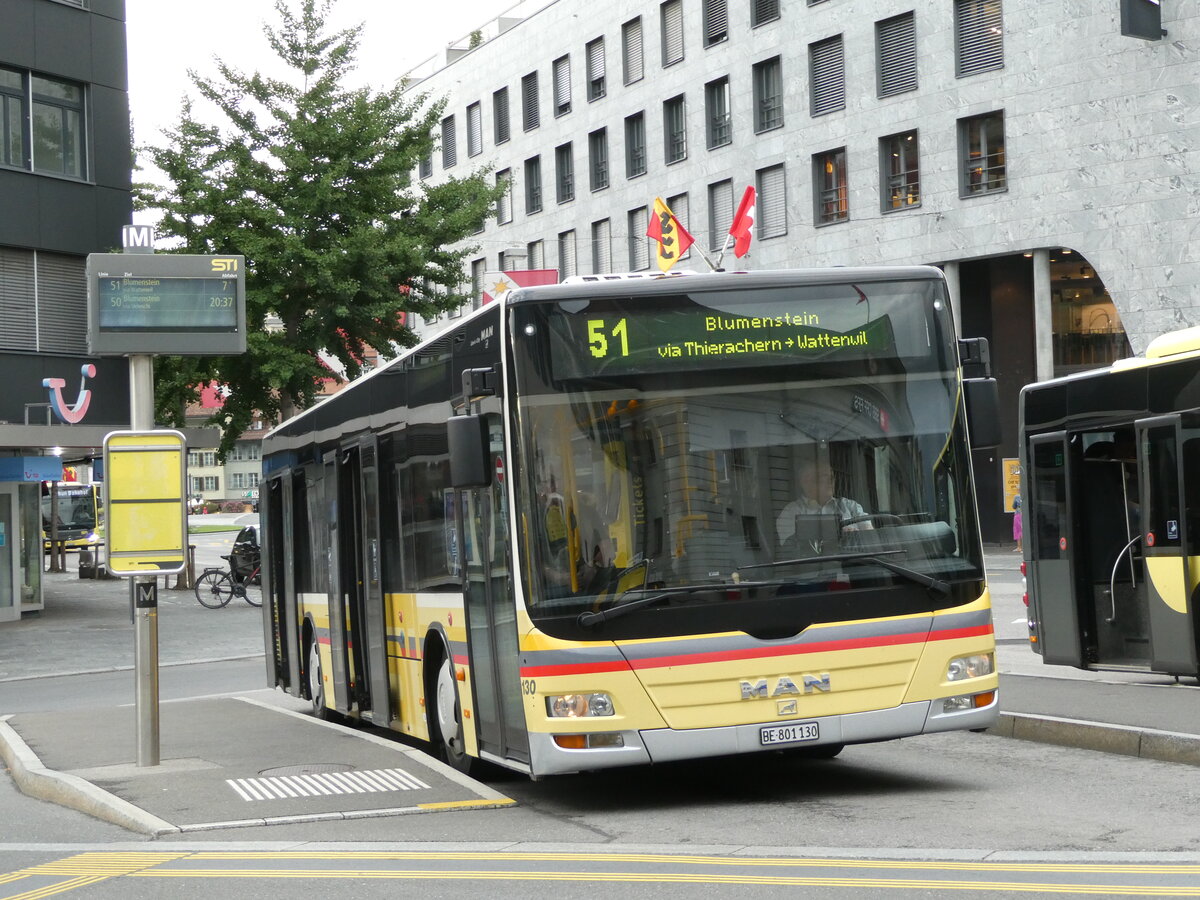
(137, 238)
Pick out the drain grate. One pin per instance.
(307, 769)
(324, 784)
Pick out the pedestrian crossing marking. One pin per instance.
(283, 787)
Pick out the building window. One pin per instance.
(449, 150)
(500, 115)
(671, 14)
(595, 69)
(564, 173)
(978, 36)
(830, 188)
(504, 204)
(720, 213)
(896, 54)
(675, 129)
(598, 159)
(718, 120)
(602, 247)
(981, 149)
(771, 205)
(54, 142)
(478, 273)
(632, 60)
(566, 254)
(763, 11)
(639, 244)
(827, 75)
(768, 94)
(635, 145)
(562, 85)
(530, 117)
(533, 185)
(715, 21)
(474, 129)
(900, 171)
(426, 166)
(679, 205)
(535, 255)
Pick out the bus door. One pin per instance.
(1167, 538)
(375, 683)
(339, 632)
(492, 611)
(278, 580)
(1052, 544)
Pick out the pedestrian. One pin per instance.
(1017, 522)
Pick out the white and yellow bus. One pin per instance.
(563, 534)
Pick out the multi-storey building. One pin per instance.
(1042, 158)
(65, 164)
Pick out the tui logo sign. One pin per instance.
(71, 414)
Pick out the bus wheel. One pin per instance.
(316, 683)
(448, 718)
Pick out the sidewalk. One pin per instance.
(238, 760)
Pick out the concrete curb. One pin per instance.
(1145, 743)
(71, 791)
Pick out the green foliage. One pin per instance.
(312, 182)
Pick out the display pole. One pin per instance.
(144, 588)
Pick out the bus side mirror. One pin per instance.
(468, 441)
(983, 412)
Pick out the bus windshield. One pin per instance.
(753, 460)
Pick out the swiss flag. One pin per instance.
(742, 228)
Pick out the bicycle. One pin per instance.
(216, 587)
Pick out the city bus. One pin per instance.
(556, 537)
(1111, 499)
(80, 514)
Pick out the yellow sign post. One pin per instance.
(144, 495)
(1012, 481)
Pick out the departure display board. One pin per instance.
(629, 340)
(181, 304)
(166, 303)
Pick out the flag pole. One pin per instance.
(724, 247)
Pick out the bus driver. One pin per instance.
(815, 478)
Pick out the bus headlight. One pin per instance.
(970, 667)
(578, 706)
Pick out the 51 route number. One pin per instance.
(599, 335)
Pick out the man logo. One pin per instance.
(784, 686)
(224, 265)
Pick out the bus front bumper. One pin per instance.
(667, 744)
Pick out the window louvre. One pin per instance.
(595, 69)
(602, 247)
(562, 85)
(672, 32)
(533, 185)
(768, 95)
(716, 22)
(500, 114)
(449, 151)
(720, 212)
(763, 11)
(598, 159)
(535, 255)
(978, 36)
(504, 204)
(771, 205)
(827, 74)
(896, 39)
(635, 145)
(474, 130)
(529, 102)
(566, 254)
(639, 247)
(631, 50)
(16, 292)
(61, 303)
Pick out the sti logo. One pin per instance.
(224, 265)
(72, 415)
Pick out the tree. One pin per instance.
(312, 182)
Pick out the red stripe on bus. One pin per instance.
(692, 659)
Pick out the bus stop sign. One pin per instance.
(144, 502)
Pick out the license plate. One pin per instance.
(795, 733)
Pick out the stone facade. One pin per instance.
(1101, 138)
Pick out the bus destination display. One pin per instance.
(157, 303)
(629, 341)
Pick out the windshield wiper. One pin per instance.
(595, 617)
(858, 559)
